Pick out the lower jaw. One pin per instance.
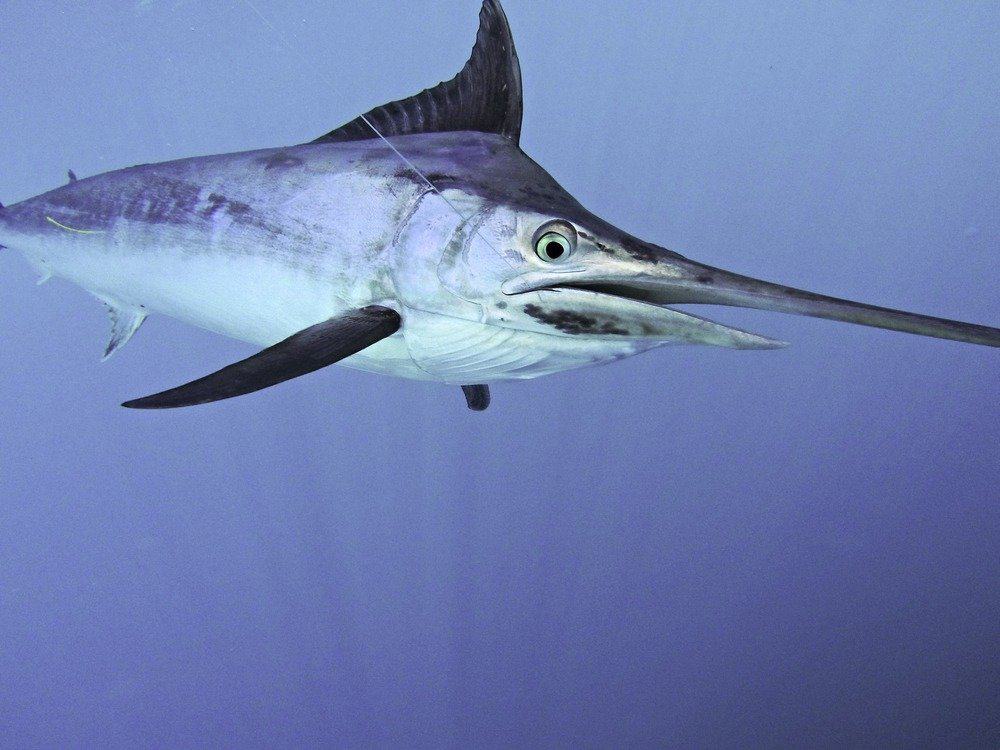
(599, 311)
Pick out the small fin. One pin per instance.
(477, 396)
(71, 175)
(485, 97)
(125, 321)
(314, 348)
(41, 268)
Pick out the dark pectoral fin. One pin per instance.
(314, 348)
(477, 396)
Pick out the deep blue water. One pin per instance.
(693, 548)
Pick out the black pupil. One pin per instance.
(554, 250)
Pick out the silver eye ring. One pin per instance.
(553, 247)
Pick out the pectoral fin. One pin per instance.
(314, 348)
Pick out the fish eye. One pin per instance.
(553, 246)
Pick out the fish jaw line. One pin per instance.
(590, 310)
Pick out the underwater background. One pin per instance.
(692, 548)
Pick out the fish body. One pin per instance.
(417, 240)
(259, 245)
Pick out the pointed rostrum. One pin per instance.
(485, 97)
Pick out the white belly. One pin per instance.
(249, 298)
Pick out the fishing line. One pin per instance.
(71, 229)
(283, 45)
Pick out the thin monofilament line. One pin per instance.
(282, 40)
(431, 185)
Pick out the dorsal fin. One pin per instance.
(484, 97)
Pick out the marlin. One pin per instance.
(417, 240)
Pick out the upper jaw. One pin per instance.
(589, 305)
(673, 280)
(665, 287)
(569, 278)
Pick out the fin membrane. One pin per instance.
(125, 321)
(477, 396)
(314, 348)
(485, 97)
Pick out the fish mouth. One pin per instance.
(593, 310)
(675, 280)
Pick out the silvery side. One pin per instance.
(257, 246)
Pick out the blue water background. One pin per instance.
(693, 548)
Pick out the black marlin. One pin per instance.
(418, 240)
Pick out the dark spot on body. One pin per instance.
(438, 179)
(280, 160)
(635, 248)
(216, 203)
(642, 251)
(574, 323)
(598, 244)
(537, 196)
(156, 200)
(238, 208)
(706, 279)
(151, 199)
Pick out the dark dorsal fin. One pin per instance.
(484, 97)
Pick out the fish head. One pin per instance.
(500, 243)
(571, 275)
(531, 258)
